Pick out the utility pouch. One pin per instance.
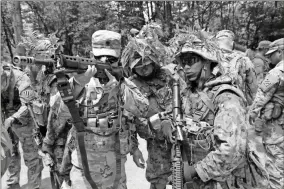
(277, 111)
(40, 112)
(268, 111)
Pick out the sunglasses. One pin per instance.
(189, 59)
(109, 59)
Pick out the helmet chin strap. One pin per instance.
(205, 74)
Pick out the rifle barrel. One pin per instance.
(24, 60)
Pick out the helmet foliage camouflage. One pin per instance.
(139, 49)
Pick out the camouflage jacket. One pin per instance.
(270, 90)
(158, 90)
(220, 151)
(125, 95)
(240, 67)
(20, 81)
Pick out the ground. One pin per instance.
(135, 176)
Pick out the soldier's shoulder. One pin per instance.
(273, 77)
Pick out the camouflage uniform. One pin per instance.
(159, 151)
(215, 112)
(23, 126)
(157, 89)
(269, 104)
(238, 61)
(261, 63)
(56, 133)
(108, 102)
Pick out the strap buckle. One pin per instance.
(64, 88)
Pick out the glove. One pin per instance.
(47, 160)
(84, 78)
(166, 126)
(8, 122)
(189, 172)
(112, 81)
(138, 159)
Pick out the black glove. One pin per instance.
(166, 127)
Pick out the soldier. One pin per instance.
(149, 73)
(236, 60)
(214, 111)
(261, 63)
(21, 123)
(269, 104)
(102, 106)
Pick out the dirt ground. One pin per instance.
(135, 176)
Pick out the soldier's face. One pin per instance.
(144, 70)
(275, 57)
(192, 65)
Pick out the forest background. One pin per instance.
(73, 22)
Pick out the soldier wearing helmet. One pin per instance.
(103, 106)
(269, 106)
(214, 108)
(261, 63)
(150, 68)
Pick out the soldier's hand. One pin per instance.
(112, 80)
(84, 78)
(166, 126)
(138, 159)
(8, 122)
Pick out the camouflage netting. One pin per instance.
(146, 46)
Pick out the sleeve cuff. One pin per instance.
(201, 172)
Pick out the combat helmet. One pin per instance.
(205, 48)
(140, 49)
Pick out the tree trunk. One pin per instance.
(6, 35)
(17, 21)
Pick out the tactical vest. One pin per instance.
(103, 121)
(160, 99)
(203, 109)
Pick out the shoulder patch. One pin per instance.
(269, 81)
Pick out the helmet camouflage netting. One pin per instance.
(196, 44)
(139, 49)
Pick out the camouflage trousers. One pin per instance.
(158, 163)
(32, 160)
(102, 169)
(273, 138)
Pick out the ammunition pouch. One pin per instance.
(40, 111)
(105, 129)
(200, 139)
(272, 110)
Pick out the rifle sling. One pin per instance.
(66, 94)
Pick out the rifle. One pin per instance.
(55, 181)
(69, 64)
(177, 171)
